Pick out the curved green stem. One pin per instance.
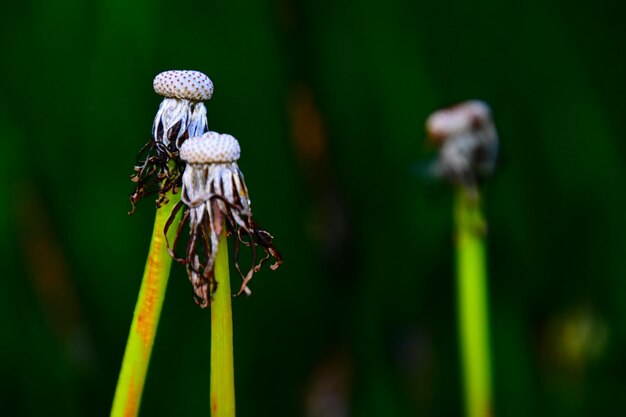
(473, 304)
(145, 318)
(222, 368)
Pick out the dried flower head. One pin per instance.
(181, 115)
(467, 139)
(215, 194)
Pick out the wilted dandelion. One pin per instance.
(215, 193)
(468, 147)
(216, 206)
(468, 142)
(181, 115)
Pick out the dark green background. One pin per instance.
(328, 101)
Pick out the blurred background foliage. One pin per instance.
(328, 101)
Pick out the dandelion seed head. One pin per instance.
(184, 84)
(462, 118)
(468, 142)
(212, 147)
(216, 199)
(181, 115)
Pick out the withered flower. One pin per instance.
(215, 195)
(181, 115)
(468, 142)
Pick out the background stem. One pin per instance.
(473, 305)
(222, 369)
(145, 318)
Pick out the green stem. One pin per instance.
(145, 318)
(222, 368)
(472, 300)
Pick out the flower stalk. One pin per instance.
(473, 306)
(145, 318)
(222, 367)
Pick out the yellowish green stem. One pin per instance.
(146, 318)
(222, 368)
(473, 303)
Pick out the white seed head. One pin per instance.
(183, 84)
(212, 147)
(462, 118)
(467, 141)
